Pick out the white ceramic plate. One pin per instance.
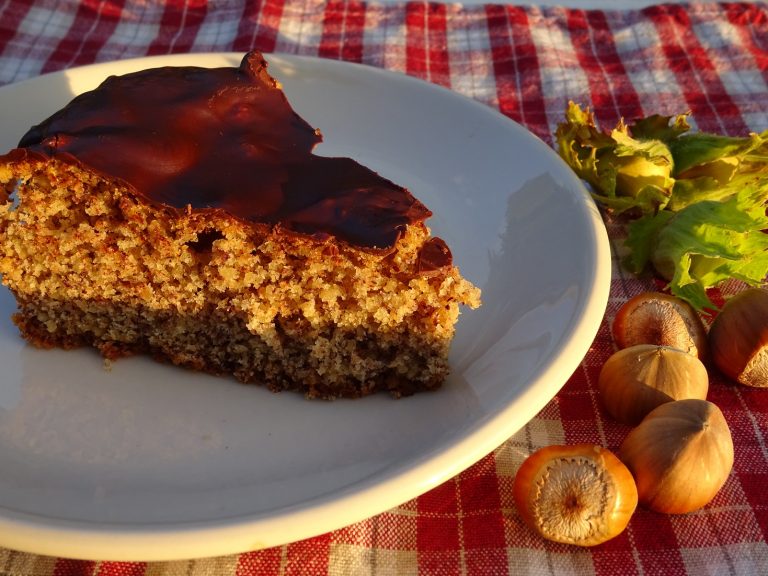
(152, 462)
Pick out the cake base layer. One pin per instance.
(325, 364)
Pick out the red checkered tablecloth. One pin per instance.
(527, 62)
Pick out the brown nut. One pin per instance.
(661, 319)
(635, 380)
(738, 339)
(580, 494)
(680, 455)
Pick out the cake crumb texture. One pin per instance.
(91, 263)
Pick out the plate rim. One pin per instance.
(41, 534)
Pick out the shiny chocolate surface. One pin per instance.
(226, 138)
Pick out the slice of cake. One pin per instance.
(180, 212)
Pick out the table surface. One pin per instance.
(580, 4)
(527, 62)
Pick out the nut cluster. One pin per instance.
(680, 452)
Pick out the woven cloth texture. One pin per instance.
(527, 62)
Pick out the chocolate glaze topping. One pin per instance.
(227, 138)
(433, 256)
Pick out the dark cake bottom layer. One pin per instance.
(322, 363)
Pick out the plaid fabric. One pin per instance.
(527, 62)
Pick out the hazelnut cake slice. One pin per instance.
(181, 212)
